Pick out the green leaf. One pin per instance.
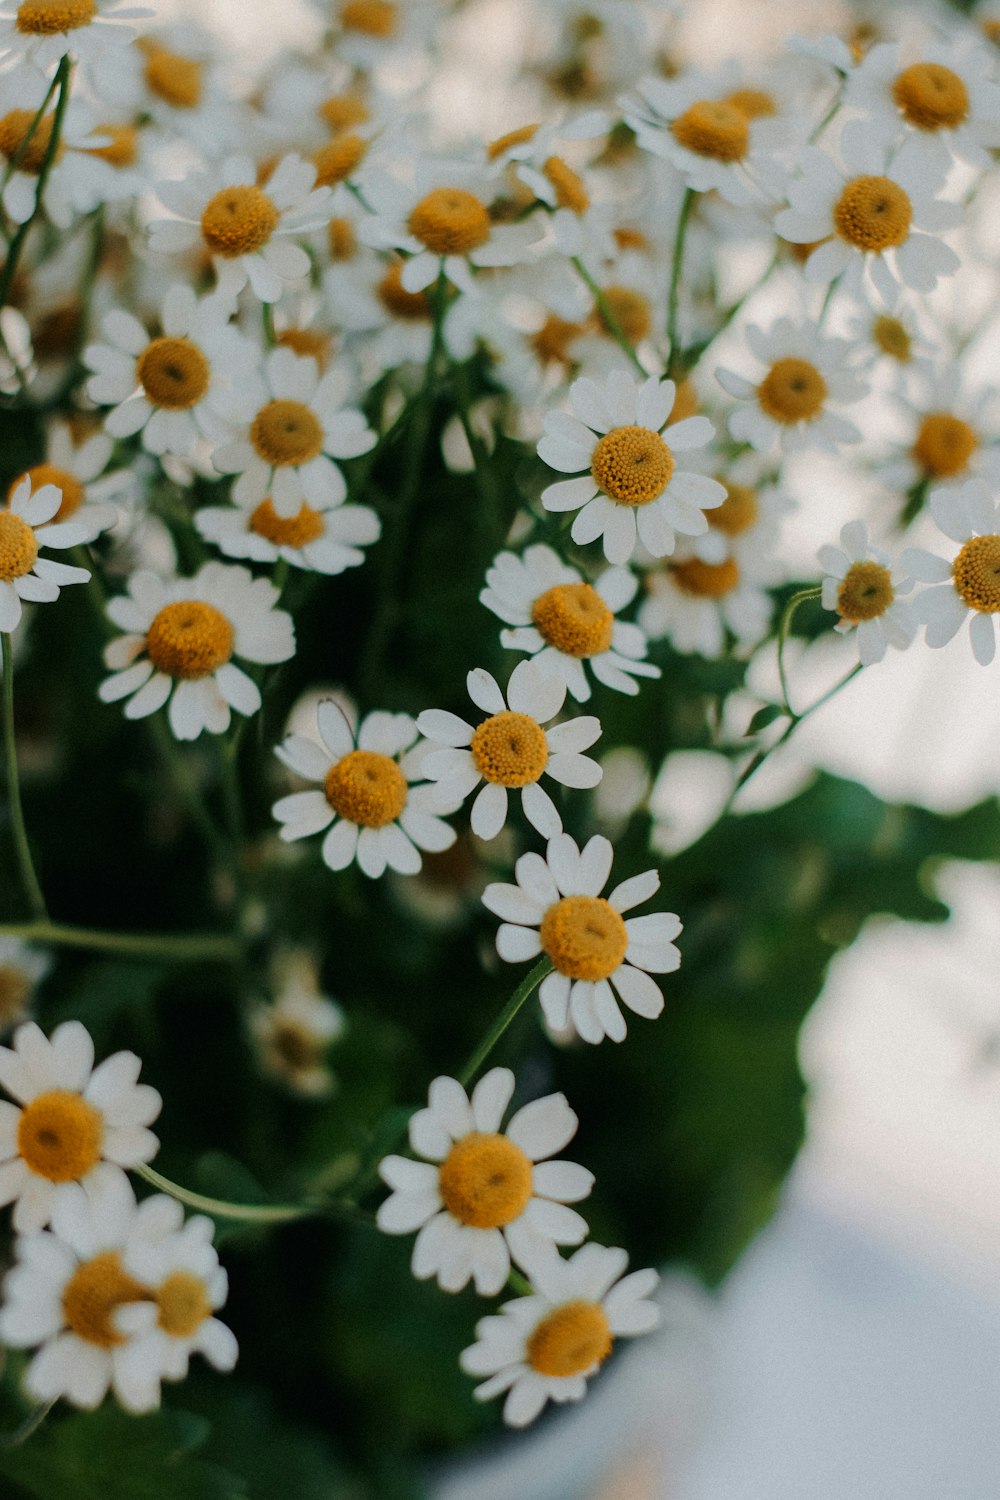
(763, 717)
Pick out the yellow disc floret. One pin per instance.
(569, 189)
(931, 97)
(172, 77)
(704, 580)
(173, 373)
(873, 213)
(366, 787)
(756, 104)
(182, 1304)
(286, 433)
(287, 531)
(450, 221)
(308, 343)
(584, 937)
(49, 17)
(411, 307)
(630, 310)
(239, 220)
(59, 1136)
(15, 991)
(632, 465)
(18, 547)
(189, 640)
(518, 137)
(27, 153)
(944, 445)
(574, 618)
(72, 490)
(711, 127)
(342, 239)
(93, 1292)
(341, 111)
(337, 159)
(570, 1341)
(378, 18)
(485, 1181)
(793, 390)
(737, 513)
(865, 592)
(890, 335)
(551, 342)
(122, 148)
(510, 749)
(976, 574)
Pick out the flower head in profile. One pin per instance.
(26, 526)
(78, 471)
(22, 968)
(968, 587)
(864, 589)
(484, 1195)
(45, 30)
(293, 1033)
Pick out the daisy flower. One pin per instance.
(292, 1034)
(181, 637)
(245, 228)
(70, 1118)
(22, 93)
(747, 525)
(26, 525)
(968, 587)
(323, 538)
(377, 816)
(789, 404)
(697, 604)
(484, 1196)
(510, 750)
(299, 428)
(875, 213)
(371, 34)
(188, 383)
(634, 491)
(556, 908)
(173, 79)
(953, 434)
(545, 1347)
(45, 30)
(22, 968)
(563, 622)
(77, 471)
(863, 588)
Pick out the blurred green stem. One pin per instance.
(506, 1017)
(612, 324)
(29, 880)
(180, 947)
(219, 1208)
(60, 82)
(783, 631)
(675, 275)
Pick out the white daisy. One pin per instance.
(545, 1347)
(27, 525)
(376, 814)
(247, 229)
(634, 491)
(45, 30)
(299, 428)
(72, 1117)
(563, 622)
(967, 588)
(325, 538)
(863, 588)
(188, 383)
(22, 93)
(181, 637)
(510, 750)
(556, 908)
(696, 605)
(954, 433)
(173, 79)
(372, 34)
(790, 403)
(747, 525)
(293, 1033)
(22, 968)
(484, 1196)
(77, 471)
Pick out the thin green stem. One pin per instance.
(191, 947)
(30, 1425)
(506, 1017)
(219, 1208)
(608, 315)
(673, 297)
(29, 880)
(783, 630)
(60, 81)
(267, 318)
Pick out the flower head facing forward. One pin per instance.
(483, 1196)
(45, 30)
(510, 750)
(71, 1119)
(863, 588)
(78, 471)
(635, 490)
(26, 526)
(556, 908)
(967, 588)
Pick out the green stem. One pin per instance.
(506, 1017)
(30, 1425)
(219, 1208)
(181, 948)
(675, 274)
(61, 81)
(607, 313)
(187, 788)
(29, 880)
(783, 629)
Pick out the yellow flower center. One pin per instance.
(183, 1304)
(342, 239)
(510, 749)
(172, 77)
(584, 937)
(551, 342)
(338, 158)
(944, 445)
(485, 1181)
(756, 104)
(379, 18)
(293, 1047)
(287, 531)
(122, 148)
(189, 640)
(450, 221)
(15, 989)
(865, 593)
(412, 307)
(286, 433)
(309, 343)
(862, 38)
(570, 1341)
(715, 128)
(685, 403)
(873, 213)
(737, 513)
(629, 238)
(570, 191)
(18, 546)
(931, 97)
(704, 580)
(792, 391)
(991, 31)
(518, 137)
(976, 574)
(30, 153)
(367, 788)
(341, 111)
(72, 490)
(59, 1136)
(630, 310)
(574, 618)
(238, 220)
(173, 373)
(632, 465)
(93, 1292)
(49, 17)
(889, 335)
